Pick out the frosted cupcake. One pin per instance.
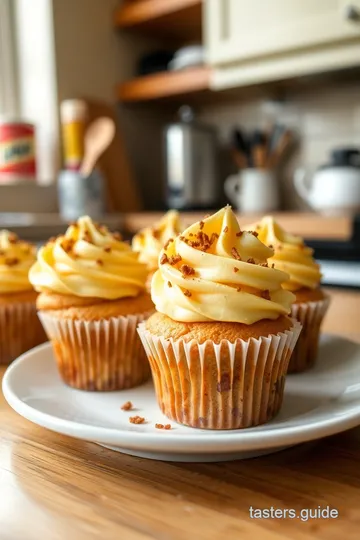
(220, 342)
(20, 328)
(92, 297)
(150, 241)
(311, 303)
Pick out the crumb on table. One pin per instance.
(136, 420)
(127, 406)
(162, 426)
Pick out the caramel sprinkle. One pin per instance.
(251, 261)
(127, 406)
(100, 262)
(266, 295)
(187, 293)
(13, 238)
(174, 259)
(236, 269)
(167, 426)
(254, 233)
(11, 261)
(86, 237)
(117, 236)
(187, 270)
(226, 229)
(156, 233)
(273, 265)
(168, 243)
(107, 249)
(240, 233)
(67, 244)
(136, 420)
(164, 259)
(201, 225)
(238, 289)
(169, 284)
(235, 254)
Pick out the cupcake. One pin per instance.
(220, 341)
(92, 296)
(311, 303)
(150, 241)
(20, 328)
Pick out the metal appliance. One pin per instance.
(191, 163)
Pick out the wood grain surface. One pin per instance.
(53, 487)
(165, 84)
(307, 224)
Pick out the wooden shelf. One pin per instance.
(163, 85)
(178, 19)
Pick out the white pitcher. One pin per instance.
(253, 191)
(332, 190)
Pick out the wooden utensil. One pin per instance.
(98, 138)
(240, 149)
(282, 146)
(258, 149)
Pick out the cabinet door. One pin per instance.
(239, 30)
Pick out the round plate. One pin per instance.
(321, 402)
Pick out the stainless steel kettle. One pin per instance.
(191, 163)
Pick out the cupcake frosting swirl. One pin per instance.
(88, 261)
(216, 272)
(16, 257)
(291, 255)
(150, 241)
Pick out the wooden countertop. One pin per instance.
(306, 224)
(57, 488)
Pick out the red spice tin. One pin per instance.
(17, 151)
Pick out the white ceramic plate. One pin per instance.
(323, 401)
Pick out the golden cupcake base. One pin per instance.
(20, 330)
(310, 315)
(229, 385)
(101, 355)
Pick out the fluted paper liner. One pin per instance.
(98, 355)
(20, 330)
(220, 386)
(310, 315)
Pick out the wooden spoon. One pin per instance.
(98, 138)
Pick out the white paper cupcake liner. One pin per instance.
(220, 386)
(98, 355)
(310, 315)
(20, 330)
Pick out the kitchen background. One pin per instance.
(295, 64)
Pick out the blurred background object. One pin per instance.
(191, 163)
(335, 187)
(17, 151)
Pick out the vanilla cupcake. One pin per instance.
(150, 241)
(220, 342)
(92, 297)
(311, 303)
(20, 328)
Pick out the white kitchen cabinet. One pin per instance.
(249, 32)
